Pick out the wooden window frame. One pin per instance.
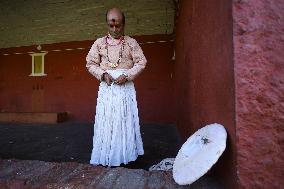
(42, 64)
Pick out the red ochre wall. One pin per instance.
(204, 77)
(69, 87)
(259, 78)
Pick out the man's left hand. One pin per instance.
(121, 80)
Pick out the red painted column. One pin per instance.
(259, 78)
(204, 82)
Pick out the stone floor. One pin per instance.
(57, 156)
(67, 142)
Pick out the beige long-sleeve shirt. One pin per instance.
(132, 59)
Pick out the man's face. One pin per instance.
(115, 25)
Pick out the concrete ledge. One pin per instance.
(33, 117)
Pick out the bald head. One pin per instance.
(115, 21)
(115, 13)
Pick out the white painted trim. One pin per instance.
(38, 74)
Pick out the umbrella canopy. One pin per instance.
(199, 153)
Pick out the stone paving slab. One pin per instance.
(34, 174)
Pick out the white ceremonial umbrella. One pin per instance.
(199, 153)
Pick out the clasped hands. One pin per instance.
(109, 80)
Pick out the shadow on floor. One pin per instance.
(65, 142)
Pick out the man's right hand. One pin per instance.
(108, 79)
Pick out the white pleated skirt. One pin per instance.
(117, 138)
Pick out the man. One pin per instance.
(116, 60)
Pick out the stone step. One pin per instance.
(39, 174)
